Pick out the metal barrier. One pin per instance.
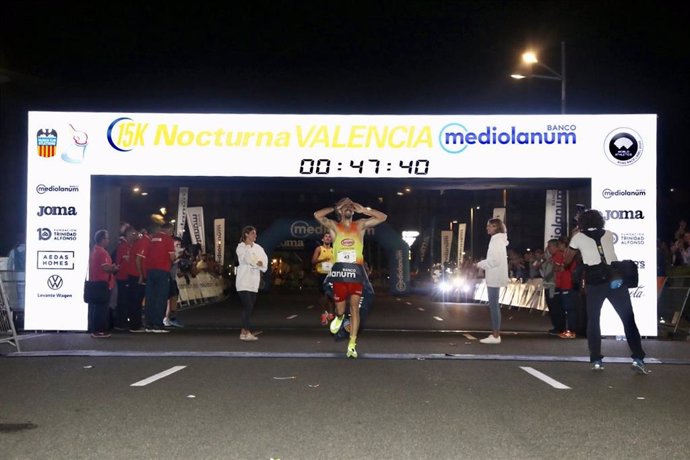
(672, 299)
(529, 294)
(199, 290)
(11, 294)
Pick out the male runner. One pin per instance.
(347, 274)
(322, 260)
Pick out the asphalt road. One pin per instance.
(416, 392)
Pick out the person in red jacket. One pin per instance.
(158, 257)
(563, 276)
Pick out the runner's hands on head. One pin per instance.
(359, 208)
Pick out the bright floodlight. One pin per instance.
(518, 76)
(530, 58)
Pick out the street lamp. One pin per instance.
(531, 59)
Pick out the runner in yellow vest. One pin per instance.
(322, 260)
(347, 273)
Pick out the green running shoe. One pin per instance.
(352, 350)
(336, 323)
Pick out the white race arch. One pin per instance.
(617, 152)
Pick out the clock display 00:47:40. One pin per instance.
(324, 166)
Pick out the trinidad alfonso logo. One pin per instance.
(623, 146)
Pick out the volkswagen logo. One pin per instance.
(55, 282)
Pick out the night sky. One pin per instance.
(371, 57)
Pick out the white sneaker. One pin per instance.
(491, 340)
(248, 337)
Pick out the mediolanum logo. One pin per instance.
(42, 188)
(56, 211)
(455, 137)
(623, 214)
(608, 193)
(301, 229)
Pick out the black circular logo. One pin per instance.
(623, 146)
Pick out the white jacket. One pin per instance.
(496, 263)
(248, 272)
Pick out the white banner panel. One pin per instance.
(462, 230)
(182, 202)
(446, 240)
(616, 152)
(554, 215)
(219, 236)
(195, 222)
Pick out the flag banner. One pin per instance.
(182, 210)
(553, 215)
(462, 230)
(446, 240)
(195, 221)
(219, 235)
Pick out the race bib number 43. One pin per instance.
(347, 256)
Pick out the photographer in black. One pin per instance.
(596, 247)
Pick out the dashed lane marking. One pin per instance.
(158, 376)
(545, 378)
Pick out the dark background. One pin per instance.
(374, 57)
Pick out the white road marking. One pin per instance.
(158, 376)
(545, 378)
(469, 336)
(438, 318)
(420, 308)
(291, 317)
(408, 303)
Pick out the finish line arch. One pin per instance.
(617, 153)
(397, 250)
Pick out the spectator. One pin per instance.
(125, 259)
(170, 319)
(565, 290)
(101, 268)
(252, 262)
(552, 300)
(158, 257)
(496, 267)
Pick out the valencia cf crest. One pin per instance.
(46, 142)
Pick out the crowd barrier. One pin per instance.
(199, 290)
(11, 303)
(529, 294)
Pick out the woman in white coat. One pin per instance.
(252, 261)
(496, 268)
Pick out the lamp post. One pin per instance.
(531, 59)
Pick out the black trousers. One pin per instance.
(620, 299)
(556, 312)
(248, 299)
(136, 292)
(122, 307)
(99, 317)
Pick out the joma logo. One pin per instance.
(56, 211)
(637, 214)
